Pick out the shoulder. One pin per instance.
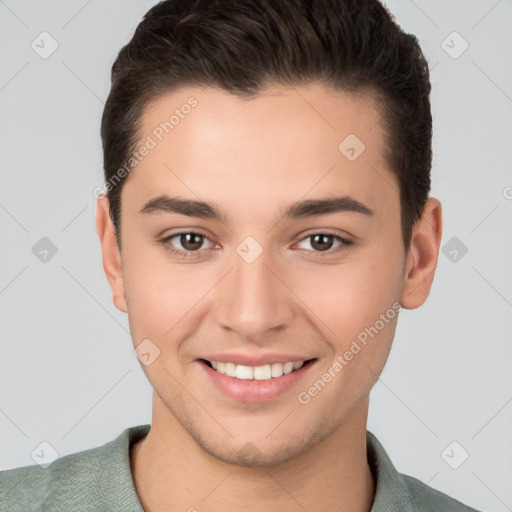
(396, 491)
(79, 481)
(29, 487)
(427, 499)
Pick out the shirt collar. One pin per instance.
(391, 491)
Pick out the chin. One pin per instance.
(250, 456)
(262, 453)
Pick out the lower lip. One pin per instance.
(250, 390)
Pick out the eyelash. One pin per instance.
(345, 243)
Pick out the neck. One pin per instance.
(172, 472)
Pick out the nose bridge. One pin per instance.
(252, 300)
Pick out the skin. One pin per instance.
(253, 158)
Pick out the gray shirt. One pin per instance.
(100, 479)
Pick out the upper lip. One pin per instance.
(255, 359)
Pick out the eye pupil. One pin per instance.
(324, 244)
(187, 241)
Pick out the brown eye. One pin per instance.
(191, 241)
(322, 242)
(327, 243)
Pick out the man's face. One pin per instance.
(258, 286)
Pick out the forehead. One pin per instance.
(310, 112)
(285, 143)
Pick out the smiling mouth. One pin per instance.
(264, 372)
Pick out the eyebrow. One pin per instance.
(298, 210)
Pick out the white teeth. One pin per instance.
(287, 368)
(265, 372)
(276, 370)
(262, 372)
(230, 370)
(244, 372)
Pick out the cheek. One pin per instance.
(158, 295)
(349, 297)
(358, 311)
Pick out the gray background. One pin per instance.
(68, 374)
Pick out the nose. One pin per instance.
(253, 300)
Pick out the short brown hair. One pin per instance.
(243, 45)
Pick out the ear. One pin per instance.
(422, 256)
(110, 253)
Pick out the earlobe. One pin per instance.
(422, 256)
(110, 253)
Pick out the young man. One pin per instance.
(265, 216)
